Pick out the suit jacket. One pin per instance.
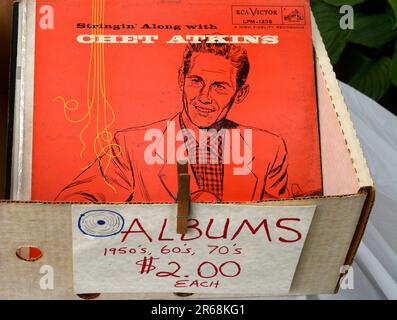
(128, 177)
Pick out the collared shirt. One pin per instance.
(206, 159)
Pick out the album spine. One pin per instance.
(11, 98)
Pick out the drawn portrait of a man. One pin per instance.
(227, 160)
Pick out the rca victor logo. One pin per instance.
(256, 11)
(268, 15)
(256, 15)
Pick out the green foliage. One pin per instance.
(366, 56)
(393, 4)
(393, 69)
(373, 76)
(334, 37)
(373, 30)
(343, 2)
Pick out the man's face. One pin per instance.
(209, 89)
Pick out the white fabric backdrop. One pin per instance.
(375, 267)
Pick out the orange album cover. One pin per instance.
(124, 90)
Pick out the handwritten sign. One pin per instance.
(243, 249)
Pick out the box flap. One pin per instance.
(352, 143)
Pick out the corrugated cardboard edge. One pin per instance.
(362, 223)
(359, 162)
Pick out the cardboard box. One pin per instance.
(332, 241)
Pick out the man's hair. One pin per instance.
(236, 54)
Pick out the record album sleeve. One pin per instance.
(111, 94)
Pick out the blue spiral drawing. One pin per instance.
(100, 223)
